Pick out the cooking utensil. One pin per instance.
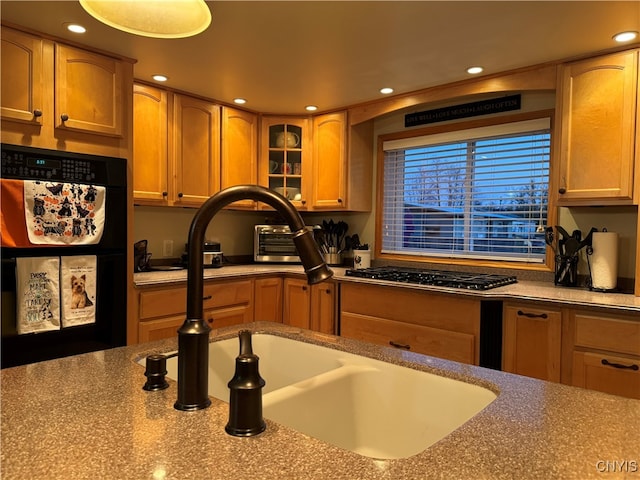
(550, 239)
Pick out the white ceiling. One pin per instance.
(284, 55)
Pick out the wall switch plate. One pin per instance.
(167, 248)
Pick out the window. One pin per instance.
(479, 193)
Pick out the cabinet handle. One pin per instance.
(208, 297)
(180, 195)
(531, 315)
(64, 117)
(37, 113)
(633, 366)
(404, 346)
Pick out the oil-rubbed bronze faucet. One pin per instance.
(193, 335)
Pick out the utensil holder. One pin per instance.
(566, 270)
(334, 259)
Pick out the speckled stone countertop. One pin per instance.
(87, 417)
(523, 290)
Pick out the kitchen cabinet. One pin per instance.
(597, 101)
(62, 97)
(195, 150)
(606, 352)
(342, 164)
(532, 340)
(176, 159)
(239, 151)
(162, 310)
(150, 145)
(310, 306)
(268, 299)
(285, 157)
(418, 321)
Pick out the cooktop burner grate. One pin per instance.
(469, 281)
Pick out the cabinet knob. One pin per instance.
(339, 200)
(164, 194)
(303, 202)
(304, 287)
(562, 190)
(328, 290)
(37, 113)
(209, 320)
(180, 195)
(64, 117)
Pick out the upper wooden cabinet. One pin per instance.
(329, 161)
(239, 151)
(597, 103)
(88, 91)
(285, 157)
(150, 147)
(64, 98)
(23, 86)
(195, 150)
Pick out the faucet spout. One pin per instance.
(193, 335)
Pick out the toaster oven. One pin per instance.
(274, 243)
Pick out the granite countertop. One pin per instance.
(87, 416)
(523, 290)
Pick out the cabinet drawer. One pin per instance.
(455, 346)
(159, 329)
(607, 373)
(606, 333)
(161, 303)
(225, 294)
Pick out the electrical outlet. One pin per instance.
(167, 248)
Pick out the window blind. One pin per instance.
(480, 193)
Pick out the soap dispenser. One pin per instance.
(245, 393)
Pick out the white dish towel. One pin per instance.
(37, 294)
(78, 276)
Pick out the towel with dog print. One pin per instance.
(37, 294)
(64, 213)
(78, 276)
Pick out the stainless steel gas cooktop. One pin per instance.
(469, 281)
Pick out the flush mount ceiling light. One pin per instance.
(311, 108)
(160, 78)
(474, 70)
(75, 28)
(386, 90)
(152, 18)
(239, 101)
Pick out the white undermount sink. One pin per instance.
(370, 407)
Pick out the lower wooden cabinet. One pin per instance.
(162, 310)
(606, 352)
(531, 341)
(309, 306)
(268, 299)
(440, 325)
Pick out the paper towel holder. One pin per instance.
(590, 279)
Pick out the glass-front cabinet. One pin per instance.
(284, 157)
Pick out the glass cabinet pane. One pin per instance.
(285, 160)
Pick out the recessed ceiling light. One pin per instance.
(311, 108)
(474, 70)
(386, 90)
(75, 28)
(156, 19)
(160, 78)
(239, 101)
(625, 36)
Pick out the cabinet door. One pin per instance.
(323, 307)
(597, 111)
(150, 174)
(268, 299)
(196, 150)
(88, 92)
(285, 158)
(329, 161)
(159, 329)
(239, 151)
(532, 341)
(297, 303)
(607, 373)
(22, 78)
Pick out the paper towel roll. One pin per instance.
(604, 261)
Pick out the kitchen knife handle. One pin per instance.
(531, 315)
